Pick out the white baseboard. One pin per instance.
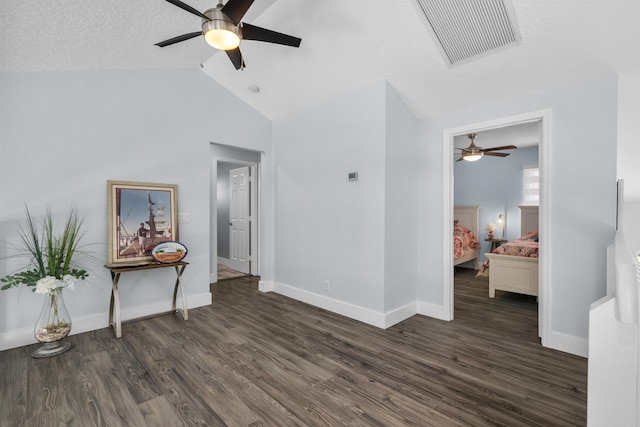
(24, 336)
(437, 311)
(266, 286)
(567, 343)
(365, 315)
(399, 314)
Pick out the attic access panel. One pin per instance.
(469, 29)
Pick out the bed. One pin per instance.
(465, 232)
(513, 266)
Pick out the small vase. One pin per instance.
(53, 324)
(490, 235)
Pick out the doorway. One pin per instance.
(496, 185)
(234, 217)
(543, 117)
(235, 213)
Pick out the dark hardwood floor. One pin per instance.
(254, 359)
(225, 272)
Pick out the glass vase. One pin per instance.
(53, 325)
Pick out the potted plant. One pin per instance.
(51, 266)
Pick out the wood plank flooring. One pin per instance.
(225, 272)
(255, 359)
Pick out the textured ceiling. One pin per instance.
(345, 45)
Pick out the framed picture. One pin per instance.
(141, 216)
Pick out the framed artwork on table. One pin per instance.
(140, 216)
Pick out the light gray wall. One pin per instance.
(358, 235)
(327, 227)
(496, 185)
(582, 178)
(64, 134)
(314, 147)
(401, 203)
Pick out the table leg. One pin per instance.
(184, 310)
(114, 305)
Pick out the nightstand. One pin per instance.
(495, 243)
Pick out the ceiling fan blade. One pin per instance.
(460, 159)
(236, 57)
(251, 32)
(491, 153)
(179, 39)
(188, 8)
(504, 147)
(235, 9)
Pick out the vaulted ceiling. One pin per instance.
(345, 45)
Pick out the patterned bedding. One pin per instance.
(525, 246)
(518, 248)
(463, 241)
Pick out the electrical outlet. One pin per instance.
(327, 286)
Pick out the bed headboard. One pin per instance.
(528, 219)
(467, 216)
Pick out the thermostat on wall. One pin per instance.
(353, 176)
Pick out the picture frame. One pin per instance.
(132, 207)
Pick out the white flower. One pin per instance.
(69, 281)
(48, 284)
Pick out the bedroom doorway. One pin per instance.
(541, 119)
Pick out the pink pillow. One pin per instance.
(531, 236)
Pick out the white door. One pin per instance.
(240, 219)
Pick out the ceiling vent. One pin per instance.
(468, 29)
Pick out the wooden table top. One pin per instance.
(119, 268)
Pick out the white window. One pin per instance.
(531, 185)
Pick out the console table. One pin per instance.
(114, 305)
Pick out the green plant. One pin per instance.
(51, 254)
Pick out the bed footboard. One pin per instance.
(512, 274)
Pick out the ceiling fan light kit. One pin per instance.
(220, 32)
(472, 157)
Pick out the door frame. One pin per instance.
(544, 159)
(255, 215)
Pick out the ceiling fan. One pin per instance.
(473, 152)
(222, 29)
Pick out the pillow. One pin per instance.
(531, 236)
